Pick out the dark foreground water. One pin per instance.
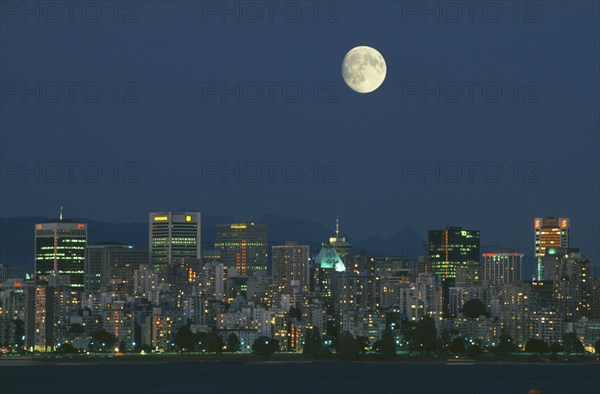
(326, 378)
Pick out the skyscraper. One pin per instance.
(290, 266)
(502, 267)
(174, 235)
(450, 248)
(243, 246)
(60, 250)
(40, 330)
(550, 232)
(104, 262)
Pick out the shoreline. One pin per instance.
(240, 359)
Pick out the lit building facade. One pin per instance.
(174, 235)
(60, 250)
(450, 248)
(550, 232)
(572, 281)
(546, 326)
(40, 330)
(502, 268)
(104, 263)
(291, 267)
(243, 246)
(515, 312)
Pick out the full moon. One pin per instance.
(363, 69)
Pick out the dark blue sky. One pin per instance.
(360, 155)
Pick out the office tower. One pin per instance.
(174, 235)
(111, 262)
(550, 232)
(60, 250)
(450, 248)
(243, 246)
(290, 267)
(502, 267)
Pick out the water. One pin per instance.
(305, 378)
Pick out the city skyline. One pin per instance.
(357, 293)
(489, 243)
(300, 196)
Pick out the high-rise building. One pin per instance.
(60, 250)
(339, 243)
(243, 246)
(356, 296)
(427, 296)
(469, 274)
(572, 278)
(550, 232)
(174, 235)
(515, 308)
(106, 262)
(502, 267)
(450, 248)
(40, 330)
(291, 267)
(146, 283)
(213, 278)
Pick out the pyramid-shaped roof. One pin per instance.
(329, 258)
